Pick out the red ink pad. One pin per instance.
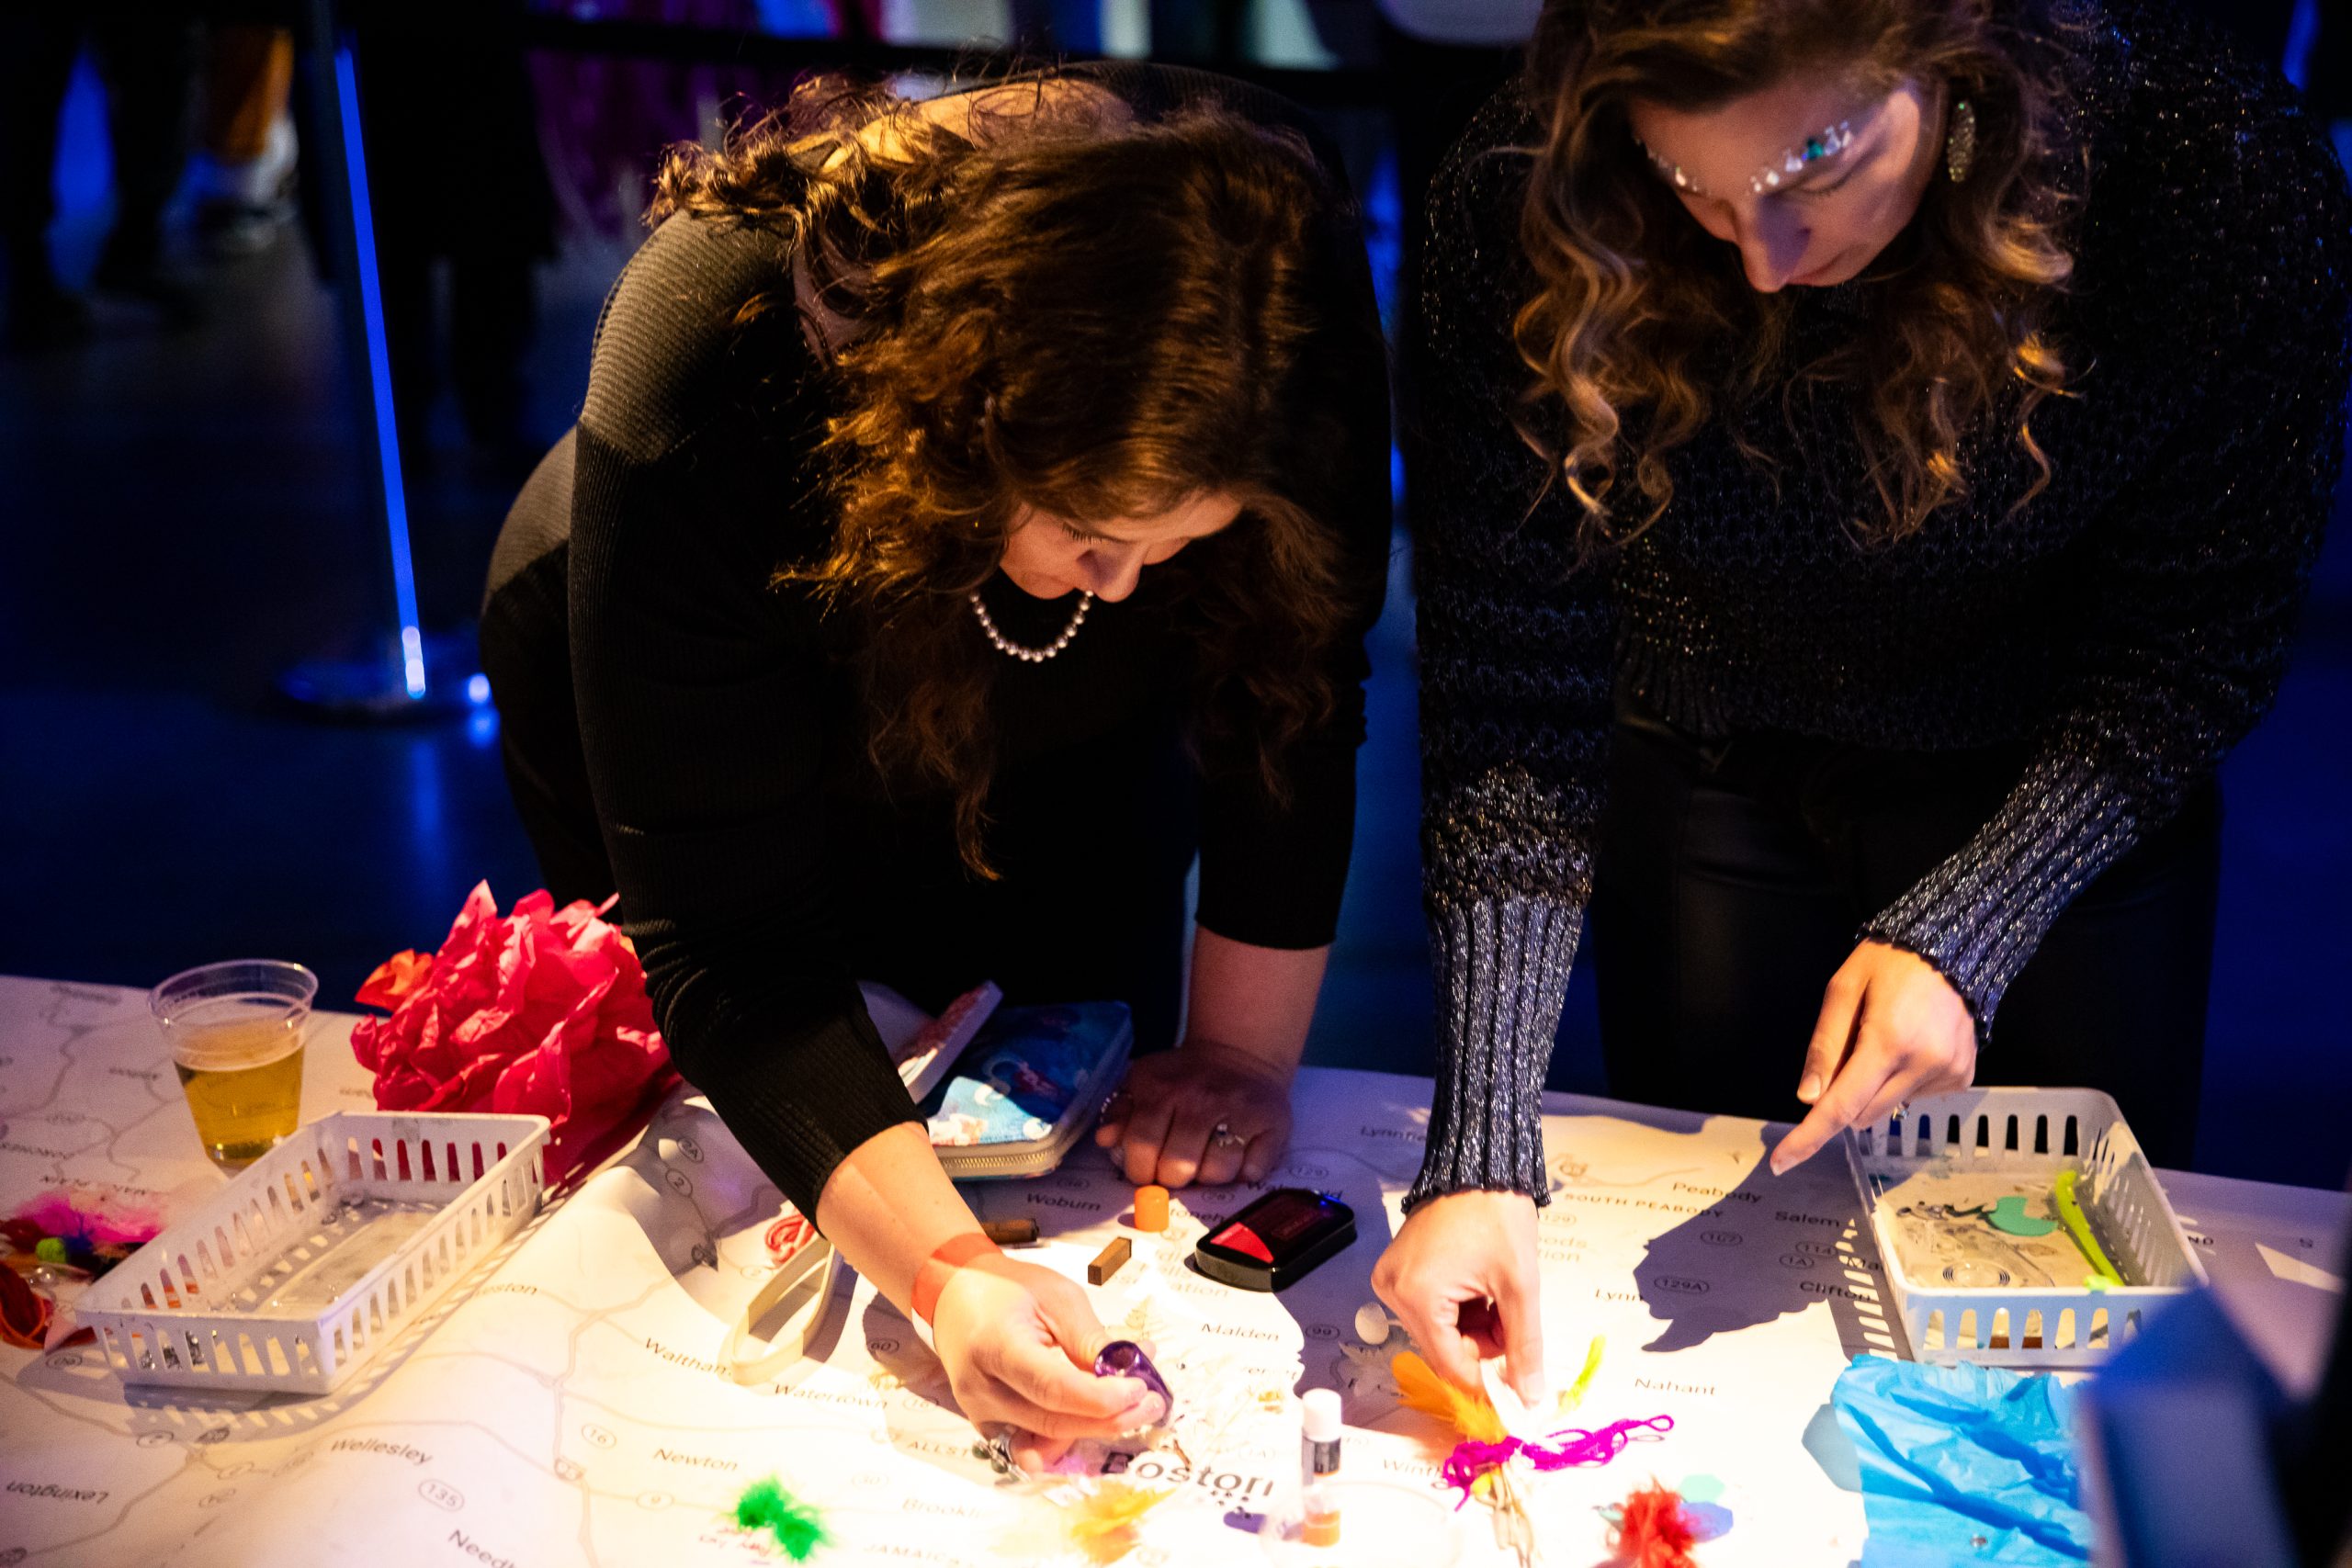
(1276, 1241)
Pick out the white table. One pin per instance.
(563, 1407)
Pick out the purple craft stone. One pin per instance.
(1124, 1358)
(1708, 1521)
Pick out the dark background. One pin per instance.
(183, 517)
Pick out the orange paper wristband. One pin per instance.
(941, 1266)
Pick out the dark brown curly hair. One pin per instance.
(1058, 309)
(1635, 298)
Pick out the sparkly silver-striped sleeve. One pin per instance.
(1502, 961)
(1514, 645)
(2203, 557)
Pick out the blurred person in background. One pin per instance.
(242, 181)
(464, 214)
(146, 54)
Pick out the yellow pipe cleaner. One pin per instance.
(1574, 1394)
(2070, 1214)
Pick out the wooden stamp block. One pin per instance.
(1112, 1259)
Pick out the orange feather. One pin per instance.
(1471, 1416)
(1112, 1507)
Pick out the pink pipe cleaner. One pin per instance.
(1470, 1457)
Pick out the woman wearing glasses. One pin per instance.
(1870, 454)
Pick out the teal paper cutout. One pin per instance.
(2010, 1215)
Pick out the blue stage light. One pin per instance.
(379, 373)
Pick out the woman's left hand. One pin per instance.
(1890, 1028)
(1164, 1121)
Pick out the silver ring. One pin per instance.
(1223, 1136)
(996, 1446)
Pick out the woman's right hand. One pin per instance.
(1462, 1276)
(1018, 1341)
(1018, 1344)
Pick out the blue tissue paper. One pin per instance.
(1963, 1464)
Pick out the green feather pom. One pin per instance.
(797, 1528)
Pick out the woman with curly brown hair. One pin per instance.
(977, 506)
(1869, 454)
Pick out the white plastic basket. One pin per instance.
(2031, 1135)
(317, 1255)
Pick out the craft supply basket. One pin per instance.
(2034, 1135)
(314, 1258)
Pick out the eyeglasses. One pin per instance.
(1832, 139)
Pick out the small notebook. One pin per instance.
(922, 1047)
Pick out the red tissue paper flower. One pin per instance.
(542, 1011)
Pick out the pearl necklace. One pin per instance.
(999, 641)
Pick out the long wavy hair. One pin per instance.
(1643, 326)
(1061, 309)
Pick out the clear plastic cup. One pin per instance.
(236, 1031)
(1381, 1523)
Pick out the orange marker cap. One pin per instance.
(1151, 1208)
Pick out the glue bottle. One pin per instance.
(1319, 1466)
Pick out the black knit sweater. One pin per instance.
(2129, 624)
(720, 730)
